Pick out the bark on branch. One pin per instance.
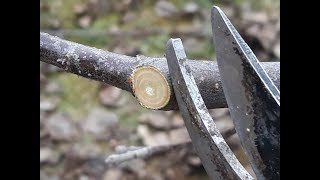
(115, 69)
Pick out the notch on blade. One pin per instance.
(216, 156)
(253, 99)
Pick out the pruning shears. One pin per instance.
(253, 101)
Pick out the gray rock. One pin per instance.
(42, 117)
(156, 120)
(193, 44)
(112, 173)
(52, 69)
(43, 78)
(84, 21)
(177, 121)
(175, 136)
(80, 9)
(234, 141)
(276, 49)
(84, 177)
(170, 173)
(152, 139)
(219, 113)
(153, 176)
(194, 160)
(178, 136)
(135, 165)
(100, 122)
(129, 16)
(111, 96)
(225, 124)
(53, 87)
(49, 156)
(157, 139)
(190, 8)
(165, 9)
(250, 170)
(48, 104)
(60, 127)
(44, 176)
(169, 113)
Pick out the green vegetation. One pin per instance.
(79, 94)
(154, 45)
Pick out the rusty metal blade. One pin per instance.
(216, 156)
(252, 98)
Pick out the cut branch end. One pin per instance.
(150, 87)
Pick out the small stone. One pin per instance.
(152, 139)
(80, 9)
(225, 124)
(53, 87)
(126, 48)
(276, 49)
(55, 23)
(87, 150)
(110, 96)
(170, 174)
(233, 141)
(136, 166)
(157, 139)
(177, 121)
(43, 78)
(52, 69)
(85, 21)
(175, 136)
(169, 113)
(42, 117)
(194, 160)
(156, 120)
(178, 136)
(47, 155)
(193, 44)
(153, 176)
(112, 173)
(229, 11)
(143, 131)
(43, 131)
(256, 17)
(165, 9)
(44, 176)
(100, 122)
(48, 104)
(61, 127)
(250, 171)
(129, 16)
(84, 177)
(190, 8)
(186, 170)
(219, 113)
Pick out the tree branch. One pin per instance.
(116, 70)
(124, 153)
(142, 152)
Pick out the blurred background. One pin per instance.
(83, 121)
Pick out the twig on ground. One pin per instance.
(134, 152)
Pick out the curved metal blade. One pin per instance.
(253, 99)
(215, 154)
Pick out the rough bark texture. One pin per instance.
(115, 69)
